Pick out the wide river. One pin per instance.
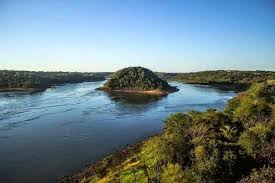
(46, 135)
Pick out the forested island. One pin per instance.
(137, 80)
(236, 145)
(34, 81)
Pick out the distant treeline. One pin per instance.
(31, 79)
(231, 79)
(236, 80)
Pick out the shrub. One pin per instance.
(265, 175)
(253, 137)
(173, 173)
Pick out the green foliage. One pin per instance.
(222, 76)
(208, 146)
(232, 105)
(92, 179)
(253, 137)
(173, 173)
(136, 78)
(154, 155)
(254, 105)
(229, 133)
(176, 137)
(30, 79)
(265, 175)
(206, 126)
(223, 79)
(154, 152)
(200, 152)
(133, 176)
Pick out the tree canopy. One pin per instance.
(136, 78)
(223, 79)
(31, 79)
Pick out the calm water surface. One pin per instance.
(44, 136)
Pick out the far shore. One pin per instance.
(226, 86)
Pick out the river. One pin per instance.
(46, 135)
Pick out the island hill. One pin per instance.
(137, 80)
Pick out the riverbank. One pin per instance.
(18, 81)
(99, 168)
(31, 90)
(222, 79)
(41, 89)
(226, 86)
(149, 92)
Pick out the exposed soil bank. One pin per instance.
(150, 92)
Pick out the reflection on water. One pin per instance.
(49, 134)
(134, 99)
(137, 103)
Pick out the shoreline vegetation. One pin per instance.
(137, 80)
(236, 145)
(110, 160)
(235, 80)
(222, 79)
(31, 81)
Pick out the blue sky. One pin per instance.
(163, 35)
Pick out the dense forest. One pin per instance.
(231, 79)
(136, 78)
(236, 145)
(31, 79)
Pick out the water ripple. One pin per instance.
(73, 120)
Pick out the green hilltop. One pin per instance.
(137, 79)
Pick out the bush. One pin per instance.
(173, 173)
(254, 106)
(265, 175)
(253, 137)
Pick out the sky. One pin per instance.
(162, 35)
